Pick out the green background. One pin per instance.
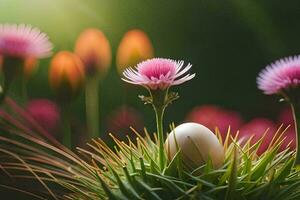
(227, 41)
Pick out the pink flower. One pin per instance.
(280, 76)
(45, 113)
(286, 118)
(158, 73)
(290, 140)
(213, 116)
(257, 128)
(23, 41)
(121, 119)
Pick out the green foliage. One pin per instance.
(130, 170)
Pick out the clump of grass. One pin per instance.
(130, 169)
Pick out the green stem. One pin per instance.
(24, 94)
(159, 113)
(296, 114)
(92, 106)
(66, 126)
(159, 100)
(13, 77)
(18, 89)
(15, 88)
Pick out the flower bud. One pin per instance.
(94, 50)
(197, 144)
(66, 75)
(30, 66)
(27, 65)
(17, 43)
(134, 47)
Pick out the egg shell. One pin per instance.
(197, 144)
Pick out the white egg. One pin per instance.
(197, 144)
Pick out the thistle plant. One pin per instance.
(200, 165)
(157, 75)
(130, 169)
(283, 78)
(20, 45)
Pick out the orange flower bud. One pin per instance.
(66, 75)
(30, 65)
(94, 50)
(134, 47)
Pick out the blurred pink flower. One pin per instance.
(286, 118)
(280, 76)
(158, 73)
(45, 113)
(23, 41)
(121, 119)
(213, 116)
(290, 139)
(258, 127)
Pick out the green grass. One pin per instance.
(130, 169)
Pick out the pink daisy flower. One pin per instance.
(280, 76)
(158, 73)
(23, 41)
(283, 77)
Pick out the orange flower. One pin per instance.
(66, 74)
(134, 47)
(94, 50)
(30, 66)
